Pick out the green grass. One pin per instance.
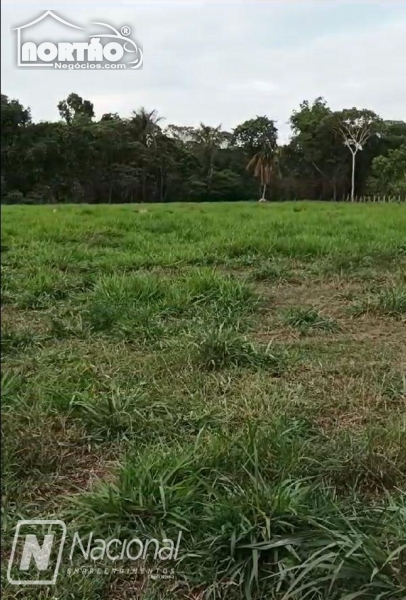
(154, 381)
(305, 319)
(222, 348)
(390, 302)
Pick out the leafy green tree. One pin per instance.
(316, 152)
(15, 120)
(207, 142)
(13, 117)
(256, 134)
(74, 108)
(388, 173)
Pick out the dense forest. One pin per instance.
(142, 159)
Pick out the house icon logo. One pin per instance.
(50, 41)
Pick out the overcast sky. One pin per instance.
(224, 62)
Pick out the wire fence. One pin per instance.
(374, 198)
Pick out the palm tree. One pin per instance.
(145, 123)
(263, 164)
(146, 127)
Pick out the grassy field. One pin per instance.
(234, 371)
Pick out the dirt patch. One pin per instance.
(366, 329)
(14, 319)
(331, 295)
(332, 300)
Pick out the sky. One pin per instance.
(222, 62)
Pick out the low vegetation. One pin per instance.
(233, 372)
(305, 319)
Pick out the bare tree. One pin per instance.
(356, 132)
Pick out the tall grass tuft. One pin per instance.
(222, 347)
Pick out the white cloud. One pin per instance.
(223, 63)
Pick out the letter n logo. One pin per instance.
(39, 554)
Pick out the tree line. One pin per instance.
(331, 155)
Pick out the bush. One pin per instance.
(13, 197)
